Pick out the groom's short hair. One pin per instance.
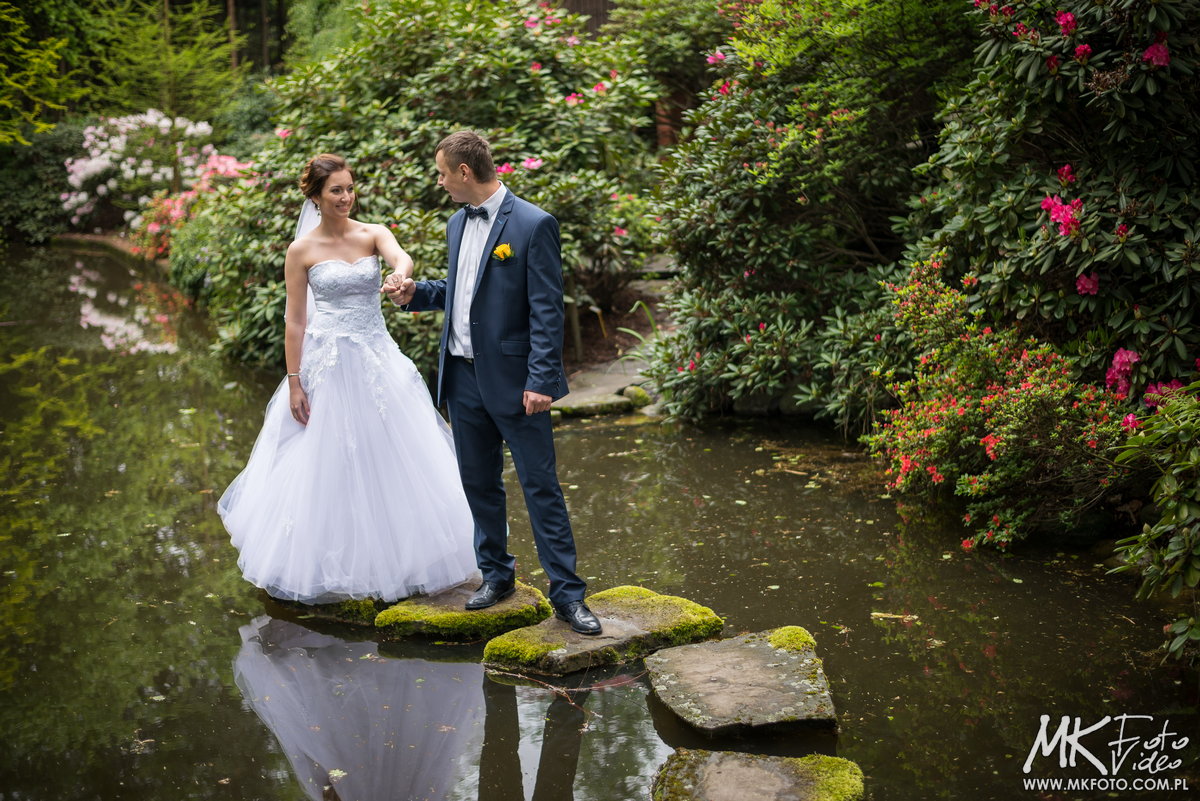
(468, 147)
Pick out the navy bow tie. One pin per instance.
(476, 211)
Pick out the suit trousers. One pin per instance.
(479, 438)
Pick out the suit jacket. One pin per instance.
(517, 308)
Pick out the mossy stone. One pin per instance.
(444, 617)
(689, 775)
(791, 638)
(636, 622)
(354, 612)
(638, 396)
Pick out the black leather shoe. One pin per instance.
(579, 617)
(489, 594)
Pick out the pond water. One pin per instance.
(136, 664)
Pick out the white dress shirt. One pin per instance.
(470, 255)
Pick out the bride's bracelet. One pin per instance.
(289, 375)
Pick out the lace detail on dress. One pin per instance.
(347, 301)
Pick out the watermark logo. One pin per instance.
(1134, 745)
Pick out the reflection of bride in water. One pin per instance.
(357, 726)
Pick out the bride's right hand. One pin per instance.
(298, 400)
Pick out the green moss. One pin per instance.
(639, 396)
(419, 616)
(833, 778)
(681, 620)
(792, 638)
(525, 647)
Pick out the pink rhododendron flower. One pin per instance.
(532, 163)
(1066, 175)
(1066, 215)
(1157, 53)
(600, 88)
(1117, 377)
(1156, 393)
(506, 167)
(613, 74)
(716, 58)
(283, 133)
(535, 66)
(1122, 232)
(724, 88)
(1130, 422)
(1008, 11)
(532, 22)
(1052, 64)
(1082, 53)
(572, 41)
(1066, 22)
(619, 231)
(573, 99)
(1087, 284)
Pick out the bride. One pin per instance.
(352, 489)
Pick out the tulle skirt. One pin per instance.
(363, 502)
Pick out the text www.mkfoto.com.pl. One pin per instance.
(1106, 784)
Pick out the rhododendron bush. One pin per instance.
(1065, 182)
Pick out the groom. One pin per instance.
(500, 367)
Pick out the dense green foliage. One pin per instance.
(1066, 179)
(33, 83)
(32, 182)
(1167, 552)
(563, 113)
(778, 207)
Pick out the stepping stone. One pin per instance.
(355, 613)
(636, 622)
(443, 617)
(731, 776)
(591, 405)
(770, 681)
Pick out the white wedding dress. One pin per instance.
(365, 501)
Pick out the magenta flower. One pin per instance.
(1122, 232)
(716, 58)
(1082, 53)
(600, 88)
(505, 168)
(724, 88)
(535, 66)
(532, 22)
(1087, 284)
(573, 99)
(283, 133)
(1052, 64)
(1008, 11)
(1066, 215)
(613, 74)
(1130, 422)
(1117, 377)
(532, 163)
(1066, 175)
(1157, 53)
(1156, 394)
(619, 231)
(1066, 22)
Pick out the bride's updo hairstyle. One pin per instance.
(317, 171)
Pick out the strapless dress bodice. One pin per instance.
(346, 295)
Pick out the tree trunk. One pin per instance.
(265, 34)
(231, 22)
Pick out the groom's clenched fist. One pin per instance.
(399, 290)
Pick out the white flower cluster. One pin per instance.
(128, 159)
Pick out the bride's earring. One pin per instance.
(318, 208)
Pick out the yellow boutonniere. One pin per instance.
(502, 252)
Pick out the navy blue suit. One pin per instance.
(516, 338)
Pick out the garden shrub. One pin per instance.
(1167, 552)
(32, 182)
(797, 161)
(1001, 421)
(564, 114)
(1065, 180)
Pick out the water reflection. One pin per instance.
(356, 724)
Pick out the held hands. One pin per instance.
(399, 290)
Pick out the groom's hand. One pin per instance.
(399, 291)
(536, 402)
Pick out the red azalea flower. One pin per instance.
(1082, 53)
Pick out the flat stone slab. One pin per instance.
(591, 405)
(769, 681)
(355, 613)
(636, 622)
(443, 616)
(731, 776)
